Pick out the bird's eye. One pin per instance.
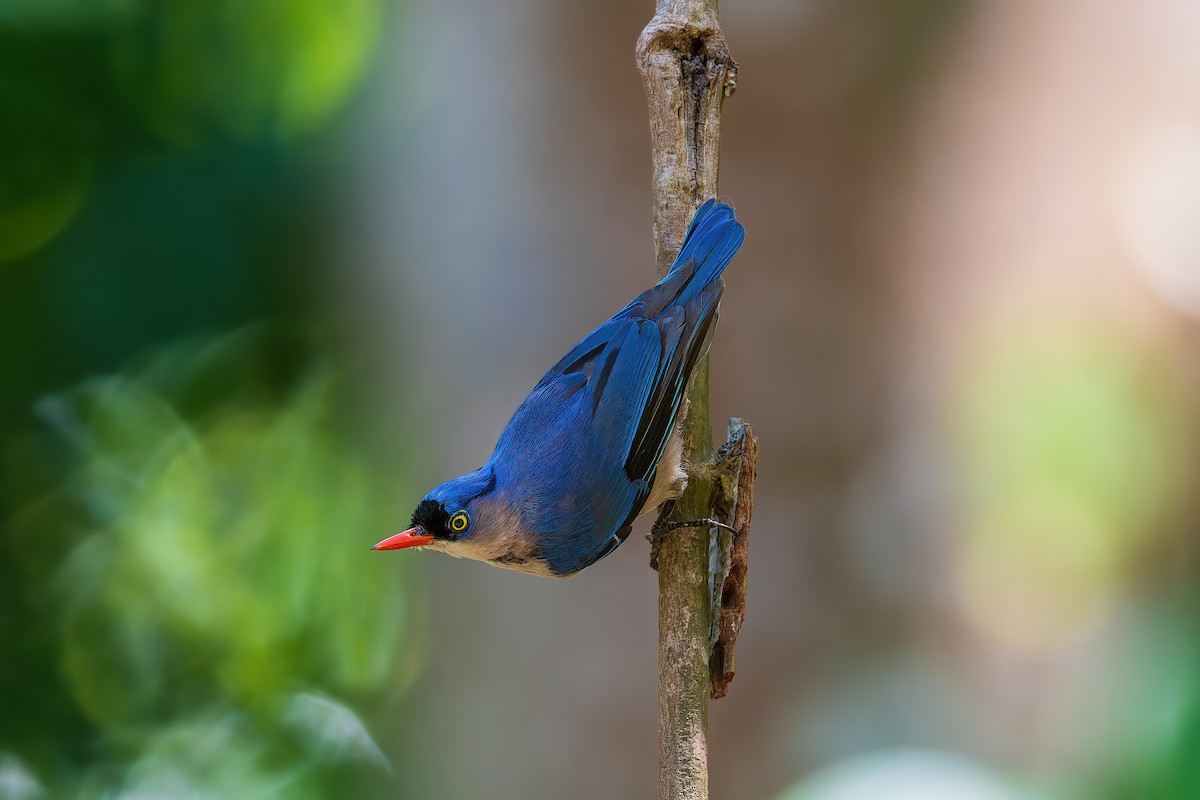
(459, 521)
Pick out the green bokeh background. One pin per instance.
(184, 502)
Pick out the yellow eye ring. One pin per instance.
(459, 521)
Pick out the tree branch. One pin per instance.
(688, 72)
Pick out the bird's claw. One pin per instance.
(664, 526)
(706, 522)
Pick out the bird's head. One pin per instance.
(450, 513)
(469, 518)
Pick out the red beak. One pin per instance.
(413, 537)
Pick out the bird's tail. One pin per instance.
(711, 241)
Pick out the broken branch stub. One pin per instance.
(737, 462)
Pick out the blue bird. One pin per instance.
(598, 441)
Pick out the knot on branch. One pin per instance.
(696, 45)
(688, 72)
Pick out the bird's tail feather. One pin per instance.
(711, 241)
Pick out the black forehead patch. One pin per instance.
(433, 517)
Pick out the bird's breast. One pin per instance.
(501, 539)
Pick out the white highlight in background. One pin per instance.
(1159, 214)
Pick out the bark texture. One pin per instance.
(688, 72)
(737, 463)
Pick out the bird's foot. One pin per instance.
(708, 522)
(663, 526)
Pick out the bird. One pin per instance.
(598, 441)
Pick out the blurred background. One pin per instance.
(270, 270)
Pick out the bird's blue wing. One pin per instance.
(684, 307)
(562, 454)
(585, 444)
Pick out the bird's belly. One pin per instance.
(498, 554)
(670, 479)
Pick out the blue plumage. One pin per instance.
(593, 445)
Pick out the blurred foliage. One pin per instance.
(80, 82)
(1075, 442)
(185, 504)
(1072, 448)
(47, 164)
(294, 61)
(202, 551)
(241, 502)
(1154, 731)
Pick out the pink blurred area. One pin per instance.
(952, 209)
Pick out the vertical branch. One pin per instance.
(688, 72)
